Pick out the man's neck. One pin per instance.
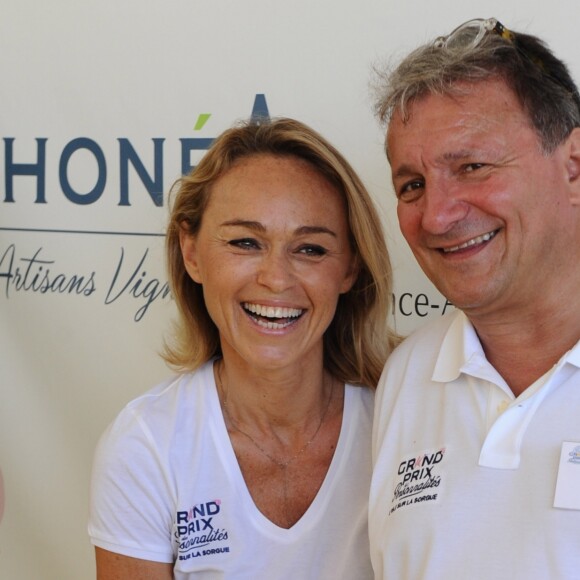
(523, 347)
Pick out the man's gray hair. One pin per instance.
(541, 82)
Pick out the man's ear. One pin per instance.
(188, 244)
(573, 165)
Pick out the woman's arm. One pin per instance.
(111, 566)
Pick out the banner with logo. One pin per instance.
(104, 105)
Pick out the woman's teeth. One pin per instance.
(281, 317)
(272, 311)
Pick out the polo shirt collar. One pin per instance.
(461, 352)
(573, 355)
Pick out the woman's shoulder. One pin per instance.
(165, 407)
(184, 387)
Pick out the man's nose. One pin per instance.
(443, 206)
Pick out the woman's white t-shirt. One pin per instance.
(167, 487)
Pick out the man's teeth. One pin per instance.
(472, 242)
(272, 311)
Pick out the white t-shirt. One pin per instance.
(465, 473)
(167, 487)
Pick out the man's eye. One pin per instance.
(244, 244)
(312, 250)
(411, 190)
(470, 167)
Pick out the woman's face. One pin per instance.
(273, 256)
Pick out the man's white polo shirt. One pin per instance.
(465, 473)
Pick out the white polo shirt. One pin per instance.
(465, 473)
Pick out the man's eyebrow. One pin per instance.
(406, 170)
(403, 171)
(459, 155)
(259, 227)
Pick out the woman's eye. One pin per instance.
(244, 244)
(313, 250)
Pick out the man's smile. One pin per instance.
(469, 243)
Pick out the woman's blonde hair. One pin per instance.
(358, 339)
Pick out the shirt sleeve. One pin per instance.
(132, 492)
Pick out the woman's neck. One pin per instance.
(278, 399)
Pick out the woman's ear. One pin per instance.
(351, 275)
(188, 244)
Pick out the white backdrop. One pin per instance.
(103, 103)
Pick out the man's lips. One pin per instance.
(469, 243)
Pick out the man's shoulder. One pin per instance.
(428, 336)
(414, 360)
(417, 355)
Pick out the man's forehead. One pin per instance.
(458, 92)
(481, 105)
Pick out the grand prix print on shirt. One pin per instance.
(197, 531)
(418, 479)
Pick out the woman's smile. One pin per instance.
(272, 317)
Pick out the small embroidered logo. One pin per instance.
(574, 455)
(417, 480)
(198, 532)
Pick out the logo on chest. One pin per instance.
(197, 531)
(417, 480)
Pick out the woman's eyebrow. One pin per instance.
(252, 225)
(257, 226)
(315, 230)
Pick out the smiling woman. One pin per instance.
(255, 460)
(274, 237)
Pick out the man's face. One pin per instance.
(488, 216)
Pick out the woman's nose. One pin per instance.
(275, 271)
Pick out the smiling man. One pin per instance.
(478, 415)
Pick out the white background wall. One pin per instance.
(144, 70)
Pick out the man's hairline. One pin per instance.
(409, 103)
